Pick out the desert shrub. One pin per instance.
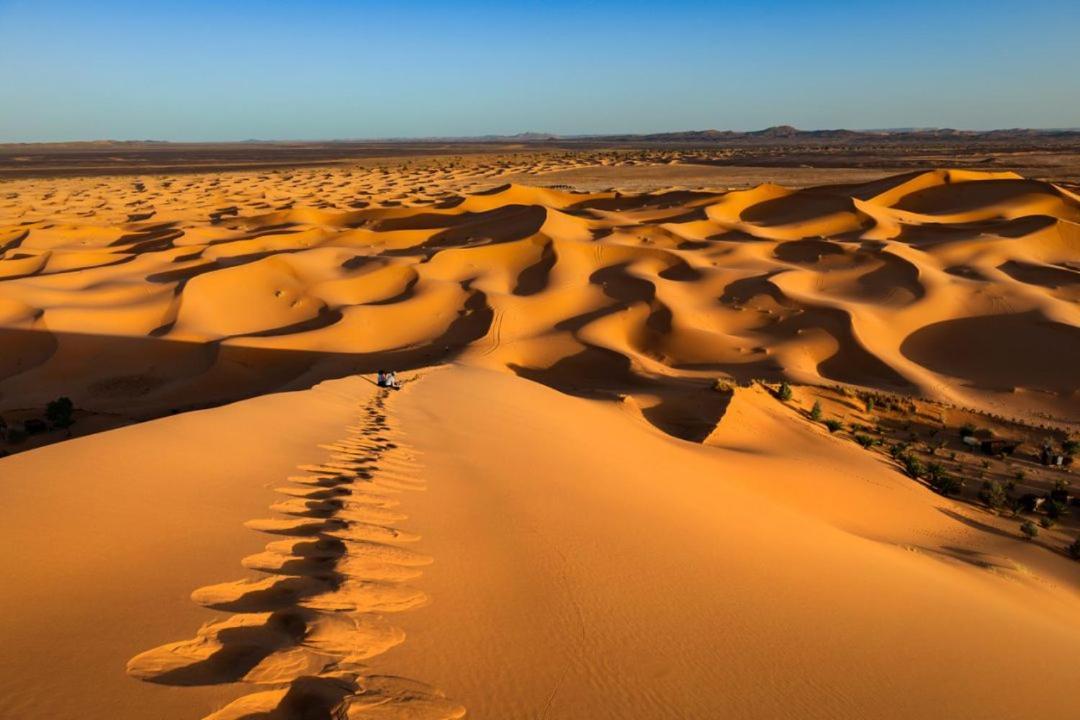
(942, 481)
(785, 392)
(833, 424)
(1020, 475)
(869, 404)
(865, 440)
(722, 386)
(898, 449)
(993, 494)
(946, 484)
(815, 412)
(967, 430)
(985, 464)
(1055, 509)
(1046, 522)
(912, 465)
(1029, 530)
(1073, 550)
(59, 412)
(1070, 446)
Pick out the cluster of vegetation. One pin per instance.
(59, 414)
(784, 393)
(993, 494)
(916, 450)
(722, 385)
(865, 440)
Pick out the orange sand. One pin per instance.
(563, 521)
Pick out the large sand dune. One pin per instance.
(558, 516)
(563, 560)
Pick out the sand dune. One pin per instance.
(563, 514)
(855, 284)
(542, 570)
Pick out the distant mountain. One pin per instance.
(781, 134)
(776, 135)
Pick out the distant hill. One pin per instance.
(778, 135)
(788, 134)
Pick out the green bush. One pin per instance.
(1029, 530)
(1046, 522)
(865, 440)
(785, 392)
(723, 386)
(912, 465)
(815, 412)
(833, 425)
(993, 494)
(946, 484)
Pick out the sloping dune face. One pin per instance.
(960, 286)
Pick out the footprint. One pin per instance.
(261, 595)
(315, 615)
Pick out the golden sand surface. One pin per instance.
(587, 500)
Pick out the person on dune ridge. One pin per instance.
(387, 379)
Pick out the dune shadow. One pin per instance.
(972, 523)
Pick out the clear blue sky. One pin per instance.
(205, 70)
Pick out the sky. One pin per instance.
(207, 70)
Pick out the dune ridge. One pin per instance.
(853, 284)
(305, 629)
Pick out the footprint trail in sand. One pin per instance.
(301, 632)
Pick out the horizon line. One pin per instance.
(546, 136)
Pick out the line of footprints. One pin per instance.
(300, 633)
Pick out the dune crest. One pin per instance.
(854, 284)
(316, 614)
